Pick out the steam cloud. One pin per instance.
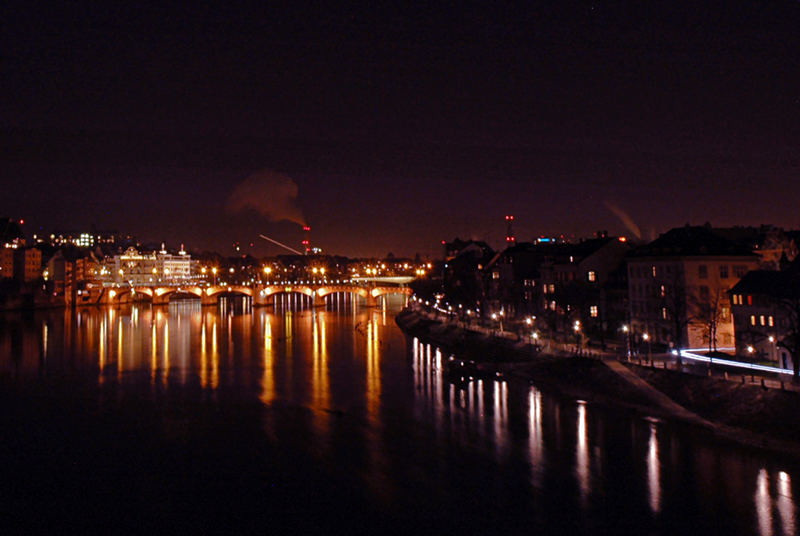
(271, 194)
(626, 220)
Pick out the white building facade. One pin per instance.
(145, 269)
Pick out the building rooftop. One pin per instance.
(700, 241)
(776, 284)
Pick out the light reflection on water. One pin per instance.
(653, 470)
(343, 361)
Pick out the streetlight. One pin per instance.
(773, 350)
(214, 271)
(646, 337)
(495, 317)
(626, 330)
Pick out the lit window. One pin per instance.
(749, 299)
(771, 321)
(664, 313)
(752, 320)
(761, 320)
(495, 275)
(654, 271)
(591, 276)
(593, 311)
(663, 291)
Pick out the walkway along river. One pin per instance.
(182, 418)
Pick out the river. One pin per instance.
(235, 419)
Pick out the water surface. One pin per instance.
(235, 419)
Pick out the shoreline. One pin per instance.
(745, 415)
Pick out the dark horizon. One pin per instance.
(401, 127)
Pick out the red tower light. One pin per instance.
(510, 239)
(306, 239)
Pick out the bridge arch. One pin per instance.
(162, 295)
(120, 295)
(211, 295)
(342, 289)
(383, 291)
(342, 296)
(266, 292)
(274, 294)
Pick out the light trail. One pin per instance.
(281, 245)
(689, 354)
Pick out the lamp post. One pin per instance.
(627, 335)
(646, 337)
(772, 350)
(214, 271)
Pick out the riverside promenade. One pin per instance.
(749, 409)
(615, 352)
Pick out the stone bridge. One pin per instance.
(260, 294)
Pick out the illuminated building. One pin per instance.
(81, 239)
(6, 262)
(764, 305)
(27, 264)
(560, 282)
(158, 267)
(678, 284)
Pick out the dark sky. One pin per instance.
(401, 126)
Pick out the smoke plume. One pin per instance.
(271, 194)
(626, 220)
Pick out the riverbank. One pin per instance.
(746, 414)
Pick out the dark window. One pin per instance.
(704, 294)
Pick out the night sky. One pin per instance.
(401, 126)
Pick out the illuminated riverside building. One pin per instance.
(678, 287)
(764, 313)
(158, 267)
(6, 262)
(24, 264)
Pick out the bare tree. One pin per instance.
(707, 312)
(674, 302)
